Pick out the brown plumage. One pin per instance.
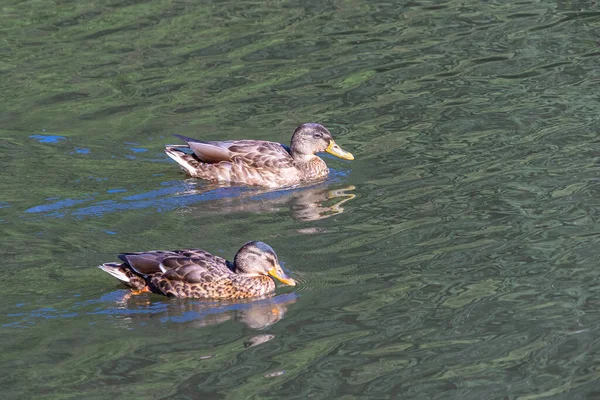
(258, 162)
(199, 274)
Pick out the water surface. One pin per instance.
(455, 258)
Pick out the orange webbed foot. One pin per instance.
(145, 289)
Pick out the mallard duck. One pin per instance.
(199, 274)
(259, 162)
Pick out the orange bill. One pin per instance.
(277, 273)
(336, 150)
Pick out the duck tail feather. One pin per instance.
(188, 139)
(115, 270)
(184, 160)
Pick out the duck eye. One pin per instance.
(318, 136)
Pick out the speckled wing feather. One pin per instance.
(194, 270)
(260, 154)
(148, 262)
(254, 153)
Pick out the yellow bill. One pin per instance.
(277, 273)
(337, 151)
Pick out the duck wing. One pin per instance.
(193, 270)
(152, 262)
(255, 153)
(262, 154)
(147, 262)
(208, 152)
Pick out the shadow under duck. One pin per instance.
(196, 273)
(260, 162)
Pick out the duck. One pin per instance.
(196, 273)
(260, 162)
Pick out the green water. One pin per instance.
(456, 258)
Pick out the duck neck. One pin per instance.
(301, 157)
(246, 285)
(312, 166)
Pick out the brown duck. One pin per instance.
(259, 162)
(199, 274)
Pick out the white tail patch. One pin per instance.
(177, 156)
(113, 269)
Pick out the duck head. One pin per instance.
(311, 138)
(258, 258)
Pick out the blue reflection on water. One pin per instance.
(172, 195)
(47, 138)
(117, 304)
(57, 205)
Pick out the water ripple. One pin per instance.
(455, 258)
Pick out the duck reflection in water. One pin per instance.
(132, 311)
(311, 205)
(305, 203)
